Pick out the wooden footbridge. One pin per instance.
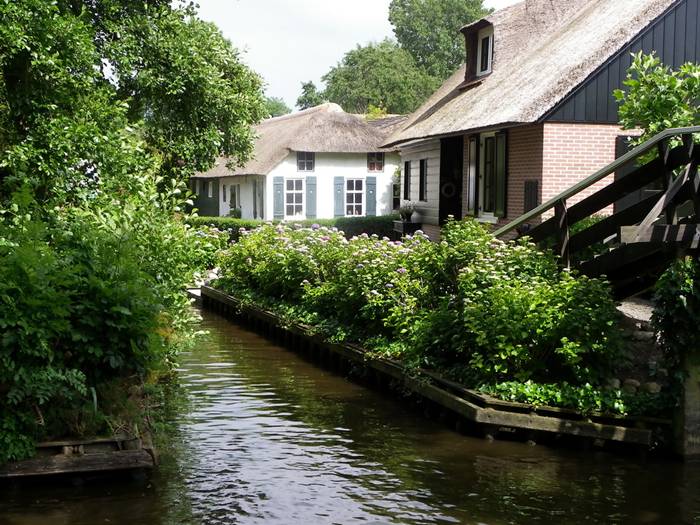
(635, 244)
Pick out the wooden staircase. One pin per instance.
(636, 244)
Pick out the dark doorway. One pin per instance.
(451, 163)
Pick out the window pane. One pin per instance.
(297, 209)
(348, 210)
(297, 198)
(290, 185)
(485, 50)
(358, 210)
(297, 185)
(290, 198)
(358, 198)
(358, 185)
(290, 210)
(350, 185)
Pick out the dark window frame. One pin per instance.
(375, 162)
(407, 180)
(306, 161)
(423, 180)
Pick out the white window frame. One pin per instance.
(487, 32)
(234, 196)
(301, 192)
(210, 189)
(355, 192)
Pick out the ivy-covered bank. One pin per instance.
(500, 317)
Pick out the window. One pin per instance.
(197, 186)
(235, 196)
(396, 195)
(484, 56)
(407, 180)
(375, 162)
(423, 180)
(294, 198)
(493, 175)
(210, 189)
(223, 192)
(354, 197)
(305, 161)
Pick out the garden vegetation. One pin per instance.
(105, 110)
(493, 315)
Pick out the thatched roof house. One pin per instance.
(321, 129)
(531, 112)
(542, 51)
(317, 163)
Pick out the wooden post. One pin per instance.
(687, 420)
(561, 218)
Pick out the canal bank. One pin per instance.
(264, 435)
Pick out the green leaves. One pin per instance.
(657, 97)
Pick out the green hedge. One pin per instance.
(382, 226)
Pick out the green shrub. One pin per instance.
(476, 308)
(383, 226)
(677, 314)
(85, 299)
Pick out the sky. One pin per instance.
(293, 41)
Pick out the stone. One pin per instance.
(644, 336)
(630, 386)
(614, 383)
(652, 387)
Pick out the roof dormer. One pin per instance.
(479, 43)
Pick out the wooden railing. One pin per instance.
(637, 223)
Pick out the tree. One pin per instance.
(379, 74)
(429, 31)
(657, 97)
(276, 107)
(310, 96)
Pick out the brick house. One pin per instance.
(531, 112)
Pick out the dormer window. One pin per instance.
(484, 56)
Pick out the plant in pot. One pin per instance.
(406, 211)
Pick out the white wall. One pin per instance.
(427, 212)
(246, 194)
(327, 167)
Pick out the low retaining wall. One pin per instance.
(467, 409)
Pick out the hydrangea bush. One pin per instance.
(478, 309)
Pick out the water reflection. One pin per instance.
(269, 438)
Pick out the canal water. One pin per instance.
(264, 436)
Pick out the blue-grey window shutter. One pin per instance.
(339, 185)
(371, 196)
(311, 197)
(278, 197)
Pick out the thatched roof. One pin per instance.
(543, 50)
(322, 129)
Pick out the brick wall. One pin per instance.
(524, 163)
(572, 152)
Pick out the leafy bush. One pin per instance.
(351, 226)
(474, 307)
(677, 313)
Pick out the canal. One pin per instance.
(264, 436)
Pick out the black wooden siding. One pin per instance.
(674, 37)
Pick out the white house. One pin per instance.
(318, 163)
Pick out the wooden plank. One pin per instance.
(78, 464)
(686, 235)
(76, 442)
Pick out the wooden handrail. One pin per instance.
(597, 176)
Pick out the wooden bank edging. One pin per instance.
(86, 456)
(473, 406)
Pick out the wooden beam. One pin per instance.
(563, 234)
(78, 464)
(685, 235)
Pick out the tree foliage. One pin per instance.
(379, 74)
(310, 96)
(429, 31)
(105, 107)
(657, 97)
(276, 107)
